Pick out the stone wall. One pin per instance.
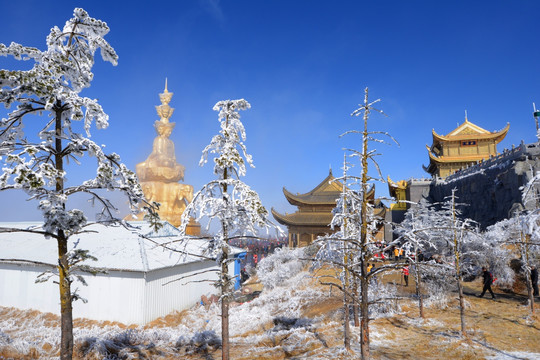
(491, 189)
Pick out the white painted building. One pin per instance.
(132, 291)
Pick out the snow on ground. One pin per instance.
(521, 355)
(294, 317)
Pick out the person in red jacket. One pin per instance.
(405, 271)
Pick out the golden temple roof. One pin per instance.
(393, 186)
(304, 218)
(319, 200)
(325, 193)
(468, 130)
(455, 159)
(464, 135)
(307, 218)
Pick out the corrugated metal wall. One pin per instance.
(18, 288)
(116, 296)
(123, 296)
(163, 299)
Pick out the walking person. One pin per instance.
(396, 254)
(488, 280)
(405, 271)
(534, 280)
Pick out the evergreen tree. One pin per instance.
(38, 164)
(232, 203)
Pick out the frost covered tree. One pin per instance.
(368, 222)
(452, 248)
(459, 252)
(227, 200)
(355, 246)
(338, 248)
(522, 232)
(37, 164)
(429, 231)
(415, 240)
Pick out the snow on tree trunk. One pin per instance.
(225, 279)
(365, 255)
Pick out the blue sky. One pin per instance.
(303, 66)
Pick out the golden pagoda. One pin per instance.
(314, 214)
(464, 146)
(159, 174)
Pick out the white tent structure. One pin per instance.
(131, 292)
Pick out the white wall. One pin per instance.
(116, 296)
(163, 299)
(123, 296)
(18, 288)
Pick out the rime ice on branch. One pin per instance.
(229, 201)
(355, 245)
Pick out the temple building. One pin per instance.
(464, 146)
(467, 147)
(314, 214)
(404, 192)
(160, 174)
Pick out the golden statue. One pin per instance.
(159, 174)
(161, 164)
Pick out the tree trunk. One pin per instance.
(530, 291)
(418, 281)
(225, 282)
(225, 306)
(66, 311)
(346, 324)
(457, 266)
(364, 281)
(355, 303)
(461, 307)
(66, 342)
(364, 321)
(346, 306)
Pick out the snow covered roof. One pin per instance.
(116, 248)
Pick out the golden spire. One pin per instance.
(164, 110)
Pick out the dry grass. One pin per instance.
(502, 327)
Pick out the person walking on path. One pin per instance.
(534, 280)
(488, 280)
(405, 271)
